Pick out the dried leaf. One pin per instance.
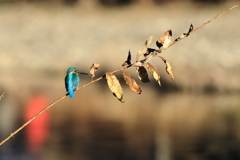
(129, 57)
(184, 35)
(93, 69)
(150, 51)
(168, 67)
(169, 70)
(127, 63)
(154, 73)
(142, 74)
(190, 29)
(114, 86)
(144, 48)
(132, 83)
(164, 41)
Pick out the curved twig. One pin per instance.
(42, 111)
(205, 24)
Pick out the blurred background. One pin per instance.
(195, 117)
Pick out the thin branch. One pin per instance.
(204, 24)
(42, 111)
(93, 81)
(85, 85)
(2, 95)
(29, 121)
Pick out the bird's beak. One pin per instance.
(81, 73)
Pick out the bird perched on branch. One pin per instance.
(72, 80)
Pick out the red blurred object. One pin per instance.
(37, 131)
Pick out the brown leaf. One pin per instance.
(127, 63)
(150, 51)
(114, 86)
(132, 83)
(93, 69)
(169, 70)
(190, 29)
(142, 74)
(154, 73)
(164, 41)
(144, 48)
(168, 67)
(184, 35)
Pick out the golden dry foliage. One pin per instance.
(93, 69)
(114, 86)
(169, 70)
(184, 35)
(142, 74)
(127, 63)
(168, 67)
(132, 83)
(154, 72)
(164, 41)
(144, 48)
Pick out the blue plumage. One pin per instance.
(71, 81)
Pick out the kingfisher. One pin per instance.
(72, 80)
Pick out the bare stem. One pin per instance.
(205, 24)
(29, 121)
(2, 95)
(93, 81)
(42, 111)
(80, 87)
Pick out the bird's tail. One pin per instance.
(71, 94)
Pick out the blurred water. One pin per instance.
(175, 126)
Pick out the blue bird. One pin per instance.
(72, 80)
